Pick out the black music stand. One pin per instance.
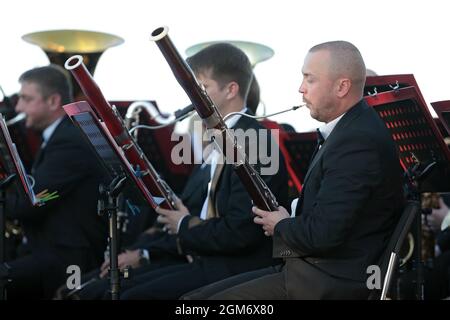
(423, 154)
(119, 172)
(11, 166)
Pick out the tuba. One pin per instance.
(135, 111)
(59, 45)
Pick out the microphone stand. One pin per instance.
(108, 204)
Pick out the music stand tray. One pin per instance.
(11, 164)
(415, 134)
(378, 84)
(108, 152)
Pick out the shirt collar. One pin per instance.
(48, 132)
(326, 129)
(231, 121)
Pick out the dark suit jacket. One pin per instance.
(66, 165)
(351, 201)
(230, 243)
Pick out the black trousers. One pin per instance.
(210, 290)
(166, 283)
(96, 288)
(172, 282)
(303, 282)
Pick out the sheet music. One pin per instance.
(112, 158)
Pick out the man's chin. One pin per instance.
(31, 126)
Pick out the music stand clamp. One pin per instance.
(4, 184)
(108, 205)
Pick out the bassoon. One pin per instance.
(258, 190)
(116, 126)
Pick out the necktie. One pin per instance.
(320, 141)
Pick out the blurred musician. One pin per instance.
(67, 229)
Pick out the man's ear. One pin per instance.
(343, 87)
(54, 101)
(233, 90)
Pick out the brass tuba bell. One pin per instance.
(59, 45)
(256, 52)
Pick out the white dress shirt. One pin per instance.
(213, 159)
(48, 132)
(325, 131)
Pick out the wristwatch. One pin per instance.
(144, 257)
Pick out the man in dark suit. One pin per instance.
(351, 197)
(66, 230)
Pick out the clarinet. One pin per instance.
(116, 126)
(258, 190)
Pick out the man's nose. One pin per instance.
(19, 106)
(302, 88)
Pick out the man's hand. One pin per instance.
(269, 219)
(125, 259)
(171, 218)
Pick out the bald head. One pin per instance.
(345, 62)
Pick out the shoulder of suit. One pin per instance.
(68, 132)
(248, 123)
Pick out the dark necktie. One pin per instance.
(320, 141)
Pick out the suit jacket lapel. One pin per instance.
(198, 177)
(346, 119)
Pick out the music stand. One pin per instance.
(420, 146)
(119, 171)
(109, 154)
(11, 166)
